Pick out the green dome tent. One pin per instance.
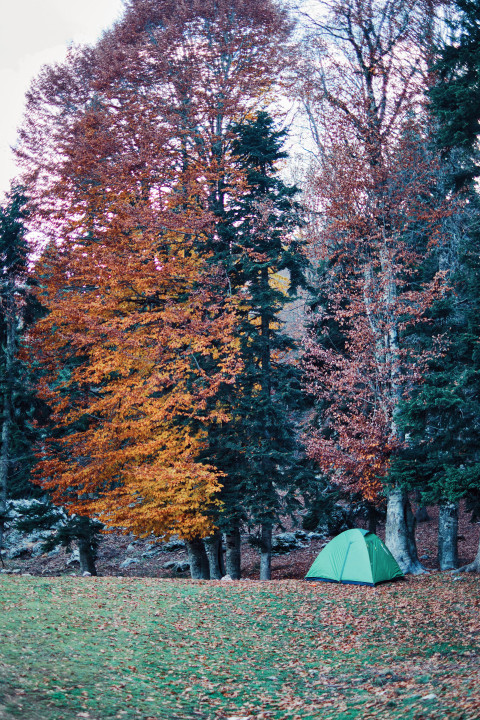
(357, 557)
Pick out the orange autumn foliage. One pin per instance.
(137, 387)
(136, 342)
(134, 323)
(126, 153)
(137, 339)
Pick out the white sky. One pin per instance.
(32, 33)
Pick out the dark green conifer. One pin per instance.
(17, 309)
(257, 448)
(455, 96)
(442, 417)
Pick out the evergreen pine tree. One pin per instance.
(17, 310)
(442, 416)
(59, 528)
(256, 448)
(455, 96)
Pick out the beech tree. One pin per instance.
(132, 314)
(374, 185)
(125, 147)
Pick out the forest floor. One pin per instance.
(158, 649)
(294, 565)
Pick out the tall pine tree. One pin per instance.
(442, 417)
(18, 309)
(256, 448)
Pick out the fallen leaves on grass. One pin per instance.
(177, 650)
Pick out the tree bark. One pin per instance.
(4, 460)
(213, 547)
(448, 535)
(233, 553)
(411, 523)
(266, 552)
(473, 566)
(422, 514)
(197, 557)
(400, 532)
(221, 556)
(87, 557)
(372, 518)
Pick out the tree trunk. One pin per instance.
(213, 547)
(233, 554)
(400, 532)
(475, 516)
(422, 514)
(266, 552)
(197, 557)
(87, 557)
(372, 518)
(411, 523)
(4, 461)
(448, 535)
(473, 566)
(221, 558)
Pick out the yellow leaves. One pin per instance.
(280, 281)
(136, 363)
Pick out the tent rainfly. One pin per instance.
(357, 557)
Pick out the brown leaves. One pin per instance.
(124, 147)
(137, 341)
(374, 183)
(173, 649)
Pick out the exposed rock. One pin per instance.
(176, 566)
(129, 561)
(152, 553)
(301, 535)
(131, 548)
(24, 548)
(316, 536)
(226, 578)
(174, 544)
(285, 542)
(74, 558)
(86, 574)
(13, 537)
(37, 550)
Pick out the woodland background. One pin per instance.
(204, 338)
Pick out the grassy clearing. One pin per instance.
(129, 648)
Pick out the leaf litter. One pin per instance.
(102, 648)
